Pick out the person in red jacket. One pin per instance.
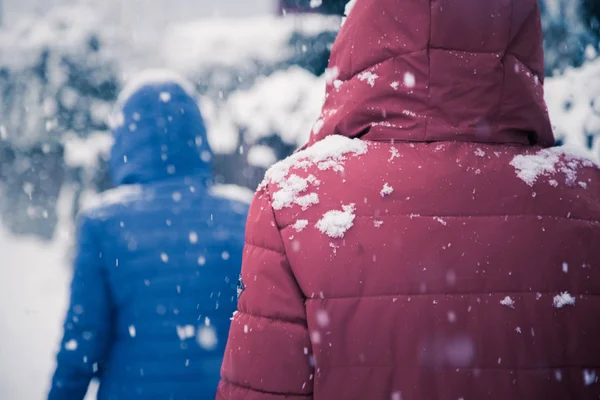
(427, 243)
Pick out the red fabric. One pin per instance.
(443, 289)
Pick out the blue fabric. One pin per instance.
(156, 265)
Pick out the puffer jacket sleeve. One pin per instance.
(268, 354)
(88, 321)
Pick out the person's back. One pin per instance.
(425, 245)
(158, 260)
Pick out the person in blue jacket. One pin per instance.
(157, 261)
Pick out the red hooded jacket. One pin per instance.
(426, 244)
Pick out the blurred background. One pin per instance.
(258, 66)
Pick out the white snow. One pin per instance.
(441, 221)
(327, 154)
(207, 337)
(300, 225)
(563, 299)
(318, 126)
(120, 195)
(331, 152)
(409, 80)
(87, 152)
(508, 302)
(71, 345)
(395, 85)
(186, 331)
(394, 153)
(233, 192)
(565, 267)
(132, 331)
(193, 237)
(336, 223)
(479, 152)
(549, 162)
(387, 190)
(164, 257)
(322, 318)
(177, 196)
(589, 377)
(315, 3)
(377, 223)
(261, 156)
(289, 193)
(368, 77)
(165, 97)
(349, 7)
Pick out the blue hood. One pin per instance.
(160, 134)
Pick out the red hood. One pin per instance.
(438, 70)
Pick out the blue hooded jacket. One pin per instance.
(157, 263)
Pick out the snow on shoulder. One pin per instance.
(548, 162)
(233, 192)
(330, 153)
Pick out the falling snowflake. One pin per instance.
(589, 377)
(207, 337)
(186, 331)
(322, 318)
(409, 80)
(377, 223)
(451, 317)
(563, 299)
(164, 257)
(315, 3)
(558, 375)
(395, 85)
(565, 267)
(132, 331)
(71, 345)
(165, 97)
(396, 396)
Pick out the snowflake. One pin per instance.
(508, 302)
(369, 77)
(563, 299)
(387, 190)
